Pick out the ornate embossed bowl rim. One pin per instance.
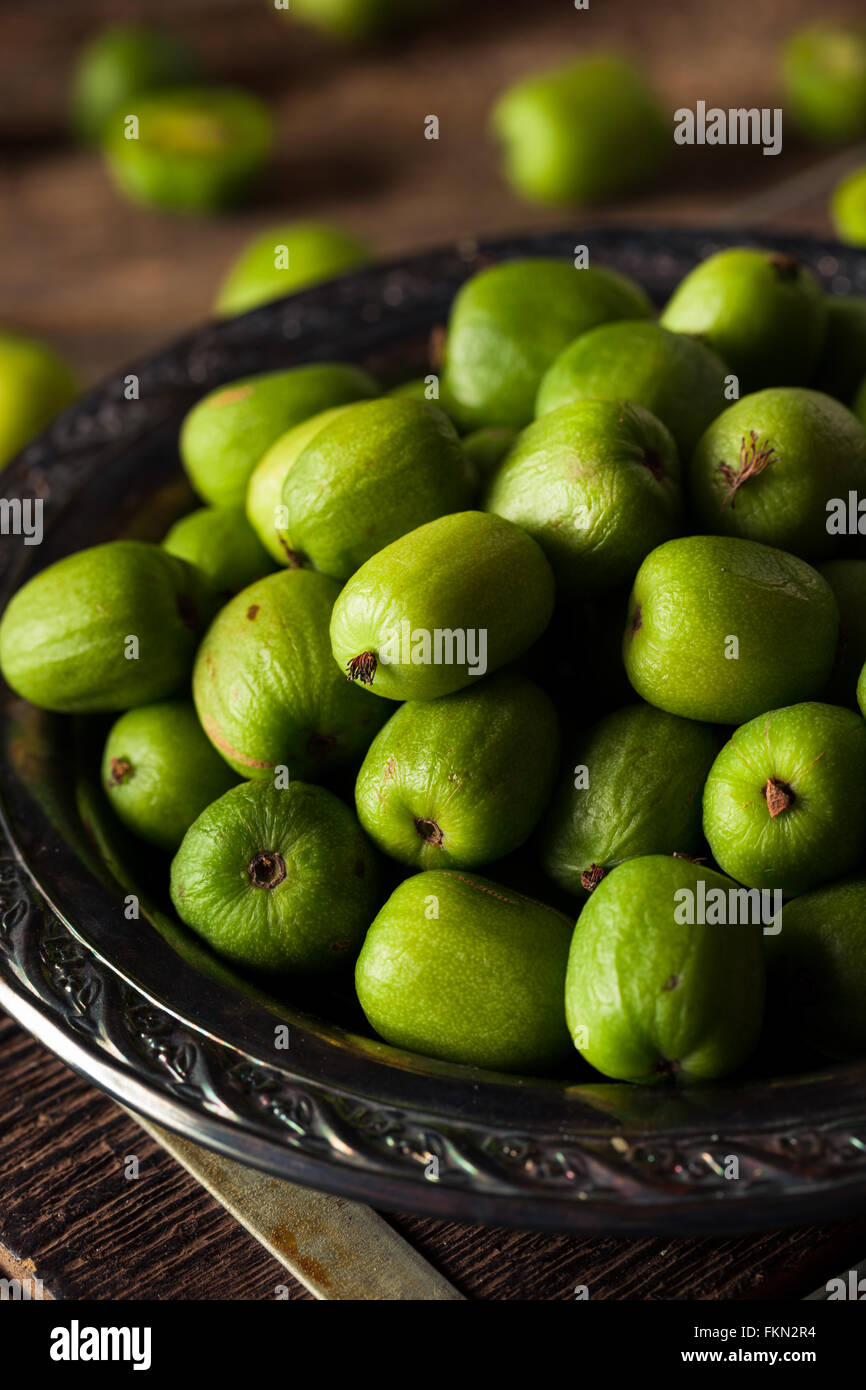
(116, 1001)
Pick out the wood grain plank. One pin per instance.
(90, 1233)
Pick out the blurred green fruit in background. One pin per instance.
(194, 149)
(35, 383)
(356, 19)
(288, 258)
(849, 208)
(582, 133)
(824, 80)
(122, 63)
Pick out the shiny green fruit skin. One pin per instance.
(582, 133)
(468, 573)
(824, 75)
(815, 752)
(842, 364)
(847, 579)
(225, 435)
(119, 66)
(692, 596)
(649, 999)
(461, 781)
(264, 504)
(816, 969)
(35, 384)
(597, 485)
(378, 470)
(198, 149)
(286, 259)
(808, 450)
(65, 635)
(460, 968)
(679, 380)
(277, 880)
(762, 312)
(640, 794)
(160, 772)
(222, 545)
(509, 322)
(848, 208)
(266, 688)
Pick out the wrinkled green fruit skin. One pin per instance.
(198, 149)
(323, 891)
(265, 686)
(509, 322)
(65, 636)
(693, 596)
(264, 504)
(379, 469)
(286, 259)
(461, 781)
(816, 452)
(842, 364)
(479, 582)
(226, 434)
(460, 968)
(847, 579)
(816, 969)
(160, 772)
(678, 379)
(848, 207)
(582, 133)
(35, 383)
(824, 76)
(120, 65)
(764, 315)
(819, 753)
(640, 794)
(220, 542)
(597, 485)
(650, 999)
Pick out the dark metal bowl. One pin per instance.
(150, 1016)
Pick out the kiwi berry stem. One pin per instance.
(267, 869)
(362, 668)
(778, 796)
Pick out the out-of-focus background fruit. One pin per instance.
(104, 280)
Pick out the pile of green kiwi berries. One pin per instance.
(537, 703)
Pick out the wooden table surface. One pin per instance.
(107, 283)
